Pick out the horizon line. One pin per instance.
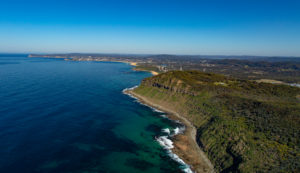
(224, 55)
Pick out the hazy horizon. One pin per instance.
(145, 54)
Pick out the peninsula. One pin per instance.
(241, 125)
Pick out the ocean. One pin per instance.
(68, 116)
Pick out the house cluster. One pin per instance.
(162, 68)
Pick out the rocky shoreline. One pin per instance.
(185, 145)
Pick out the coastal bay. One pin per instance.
(185, 143)
(70, 116)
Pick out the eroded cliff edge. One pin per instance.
(242, 126)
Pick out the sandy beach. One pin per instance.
(154, 73)
(133, 63)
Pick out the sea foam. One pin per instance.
(167, 144)
(166, 130)
(186, 168)
(178, 130)
(164, 141)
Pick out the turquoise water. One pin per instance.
(65, 116)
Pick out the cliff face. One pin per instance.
(243, 126)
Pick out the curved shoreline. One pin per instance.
(185, 145)
(185, 155)
(164, 140)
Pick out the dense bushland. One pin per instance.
(243, 126)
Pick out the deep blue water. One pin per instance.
(66, 116)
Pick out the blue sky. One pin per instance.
(214, 27)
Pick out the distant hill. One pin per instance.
(283, 69)
(170, 56)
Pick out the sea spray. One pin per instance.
(173, 132)
(166, 130)
(178, 130)
(167, 144)
(186, 168)
(127, 89)
(163, 116)
(164, 141)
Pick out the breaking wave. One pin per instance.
(166, 130)
(165, 141)
(167, 144)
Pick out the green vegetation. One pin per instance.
(243, 126)
(142, 67)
